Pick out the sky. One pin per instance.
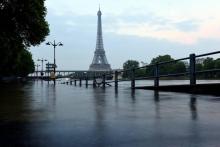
(132, 30)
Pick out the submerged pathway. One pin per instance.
(38, 114)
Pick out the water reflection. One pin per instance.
(157, 105)
(156, 96)
(51, 96)
(75, 116)
(13, 102)
(99, 106)
(133, 96)
(193, 107)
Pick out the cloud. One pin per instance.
(187, 26)
(138, 30)
(186, 31)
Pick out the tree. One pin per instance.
(129, 65)
(179, 67)
(217, 66)
(175, 67)
(164, 69)
(208, 63)
(23, 25)
(25, 64)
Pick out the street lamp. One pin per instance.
(42, 65)
(54, 44)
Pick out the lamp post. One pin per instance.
(54, 44)
(42, 65)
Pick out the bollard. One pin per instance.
(133, 79)
(103, 81)
(192, 69)
(116, 79)
(80, 82)
(75, 82)
(156, 74)
(94, 82)
(86, 81)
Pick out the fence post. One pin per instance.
(86, 81)
(103, 80)
(156, 74)
(133, 78)
(94, 82)
(116, 79)
(192, 69)
(80, 82)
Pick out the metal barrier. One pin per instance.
(191, 73)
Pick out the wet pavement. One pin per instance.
(41, 114)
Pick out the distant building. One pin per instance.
(99, 62)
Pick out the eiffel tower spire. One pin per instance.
(99, 62)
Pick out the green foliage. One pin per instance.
(164, 69)
(25, 64)
(22, 25)
(208, 63)
(217, 66)
(129, 65)
(160, 58)
(199, 66)
(177, 67)
(217, 63)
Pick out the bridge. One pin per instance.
(115, 76)
(74, 74)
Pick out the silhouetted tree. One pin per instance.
(129, 65)
(208, 63)
(217, 66)
(25, 64)
(23, 25)
(175, 67)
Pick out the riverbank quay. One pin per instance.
(210, 89)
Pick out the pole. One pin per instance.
(80, 82)
(42, 64)
(133, 78)
(192, 69)
(54, 61)
(156, 74)
(94, 81)
(103, 80)
(86, 81)
(54, 53)
(116, 79)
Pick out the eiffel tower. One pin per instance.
(99, 62)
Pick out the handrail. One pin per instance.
(207, 54)
(191, 72)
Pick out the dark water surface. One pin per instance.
(38, 114)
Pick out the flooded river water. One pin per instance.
(41, 114)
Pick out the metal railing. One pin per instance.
(191, 73)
